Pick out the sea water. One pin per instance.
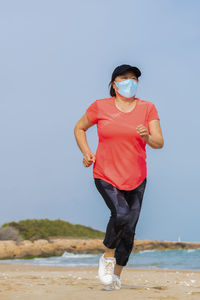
(188, 259)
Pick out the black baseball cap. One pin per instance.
(122, 68)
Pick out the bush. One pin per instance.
(10, 233)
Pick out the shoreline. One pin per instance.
(56, 283)
(57, 246)
(93, 267)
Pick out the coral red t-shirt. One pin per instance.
(121, 154)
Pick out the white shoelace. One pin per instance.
(108, 267)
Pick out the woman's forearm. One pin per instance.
(155, 142)
(81, 140)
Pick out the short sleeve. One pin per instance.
(92, 112)
(153, 113)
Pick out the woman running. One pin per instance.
(125, 124)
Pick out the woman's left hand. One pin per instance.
(143, 132)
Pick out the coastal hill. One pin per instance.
(34, 229)
(43, 238)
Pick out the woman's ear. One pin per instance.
(114, 86)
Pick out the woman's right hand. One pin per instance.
(88, 159)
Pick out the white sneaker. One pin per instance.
(106, 268)
(116, 283)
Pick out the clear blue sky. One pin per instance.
(56, 59)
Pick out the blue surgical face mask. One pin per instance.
(127, 88)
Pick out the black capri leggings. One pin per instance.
(125, 209)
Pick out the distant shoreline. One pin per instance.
(57, 246)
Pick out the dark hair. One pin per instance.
(112, 91)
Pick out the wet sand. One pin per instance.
(56, 283)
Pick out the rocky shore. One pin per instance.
(57, 246)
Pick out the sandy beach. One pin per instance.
(30, 282)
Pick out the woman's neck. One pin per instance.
(124, 101)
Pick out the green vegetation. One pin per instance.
(33, 256)
(33, 229)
